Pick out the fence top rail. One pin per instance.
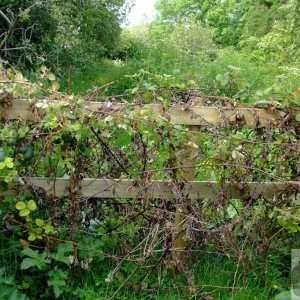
(220, 116)
(132, 189)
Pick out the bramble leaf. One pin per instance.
(31, 205)
(24, 212)
(39, 222)
(21, 205)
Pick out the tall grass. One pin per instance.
(251, 76)
(213, 275)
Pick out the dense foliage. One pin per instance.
(233, 20)
(99, 245)
(64, 34)
(263, 64)
(230, 53)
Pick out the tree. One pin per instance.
(231, 20)
(226, 17)
(60, 32)
(133, 43)
(280, 37)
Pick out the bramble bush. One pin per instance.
(62, 246)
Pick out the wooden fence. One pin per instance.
(180, 115)
(192, 117)
(189, 116)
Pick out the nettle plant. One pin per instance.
(233, 84)
(158, 88)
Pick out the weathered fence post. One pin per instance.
(188, 172)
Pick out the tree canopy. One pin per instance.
(59, 32)
(232, 20)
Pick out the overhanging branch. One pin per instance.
(3, 15)
(10, 30)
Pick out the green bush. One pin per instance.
(60, 34)
(133, 43)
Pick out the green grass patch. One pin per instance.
(212, 275)
(246, 76)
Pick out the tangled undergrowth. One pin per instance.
(51, 246)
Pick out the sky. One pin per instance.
(142, 12)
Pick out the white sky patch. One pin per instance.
(142, 12)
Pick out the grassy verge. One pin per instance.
(213, 277)
(247, 77)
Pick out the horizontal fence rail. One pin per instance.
(180, 191)
(179, 115)
(132, 189)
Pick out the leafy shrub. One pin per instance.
(133, 43)
(64, 34)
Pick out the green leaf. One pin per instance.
(286, 295)
(75, 127)
(25, 15)
(32, 237)
(298, 117)
(35, 259)
(69, 116)
(237, 155)
(231, 211)
(23, 131)
(134, 90)
(27, 263)
(48, 228)
(10, 165)
(57, 279)
(223, 78)
(54, 87)
(31, 205)
(63, 252)
(39, 222)
(24, 212)
(8, 160)
(21, 205)
(123, 139)
(234, 208)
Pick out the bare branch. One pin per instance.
(16, 48)
(3, 15)
(9, 32)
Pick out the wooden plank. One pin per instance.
(194, 115)
(20, 109)
(188, 173)
(202, 115)
(109, 188)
